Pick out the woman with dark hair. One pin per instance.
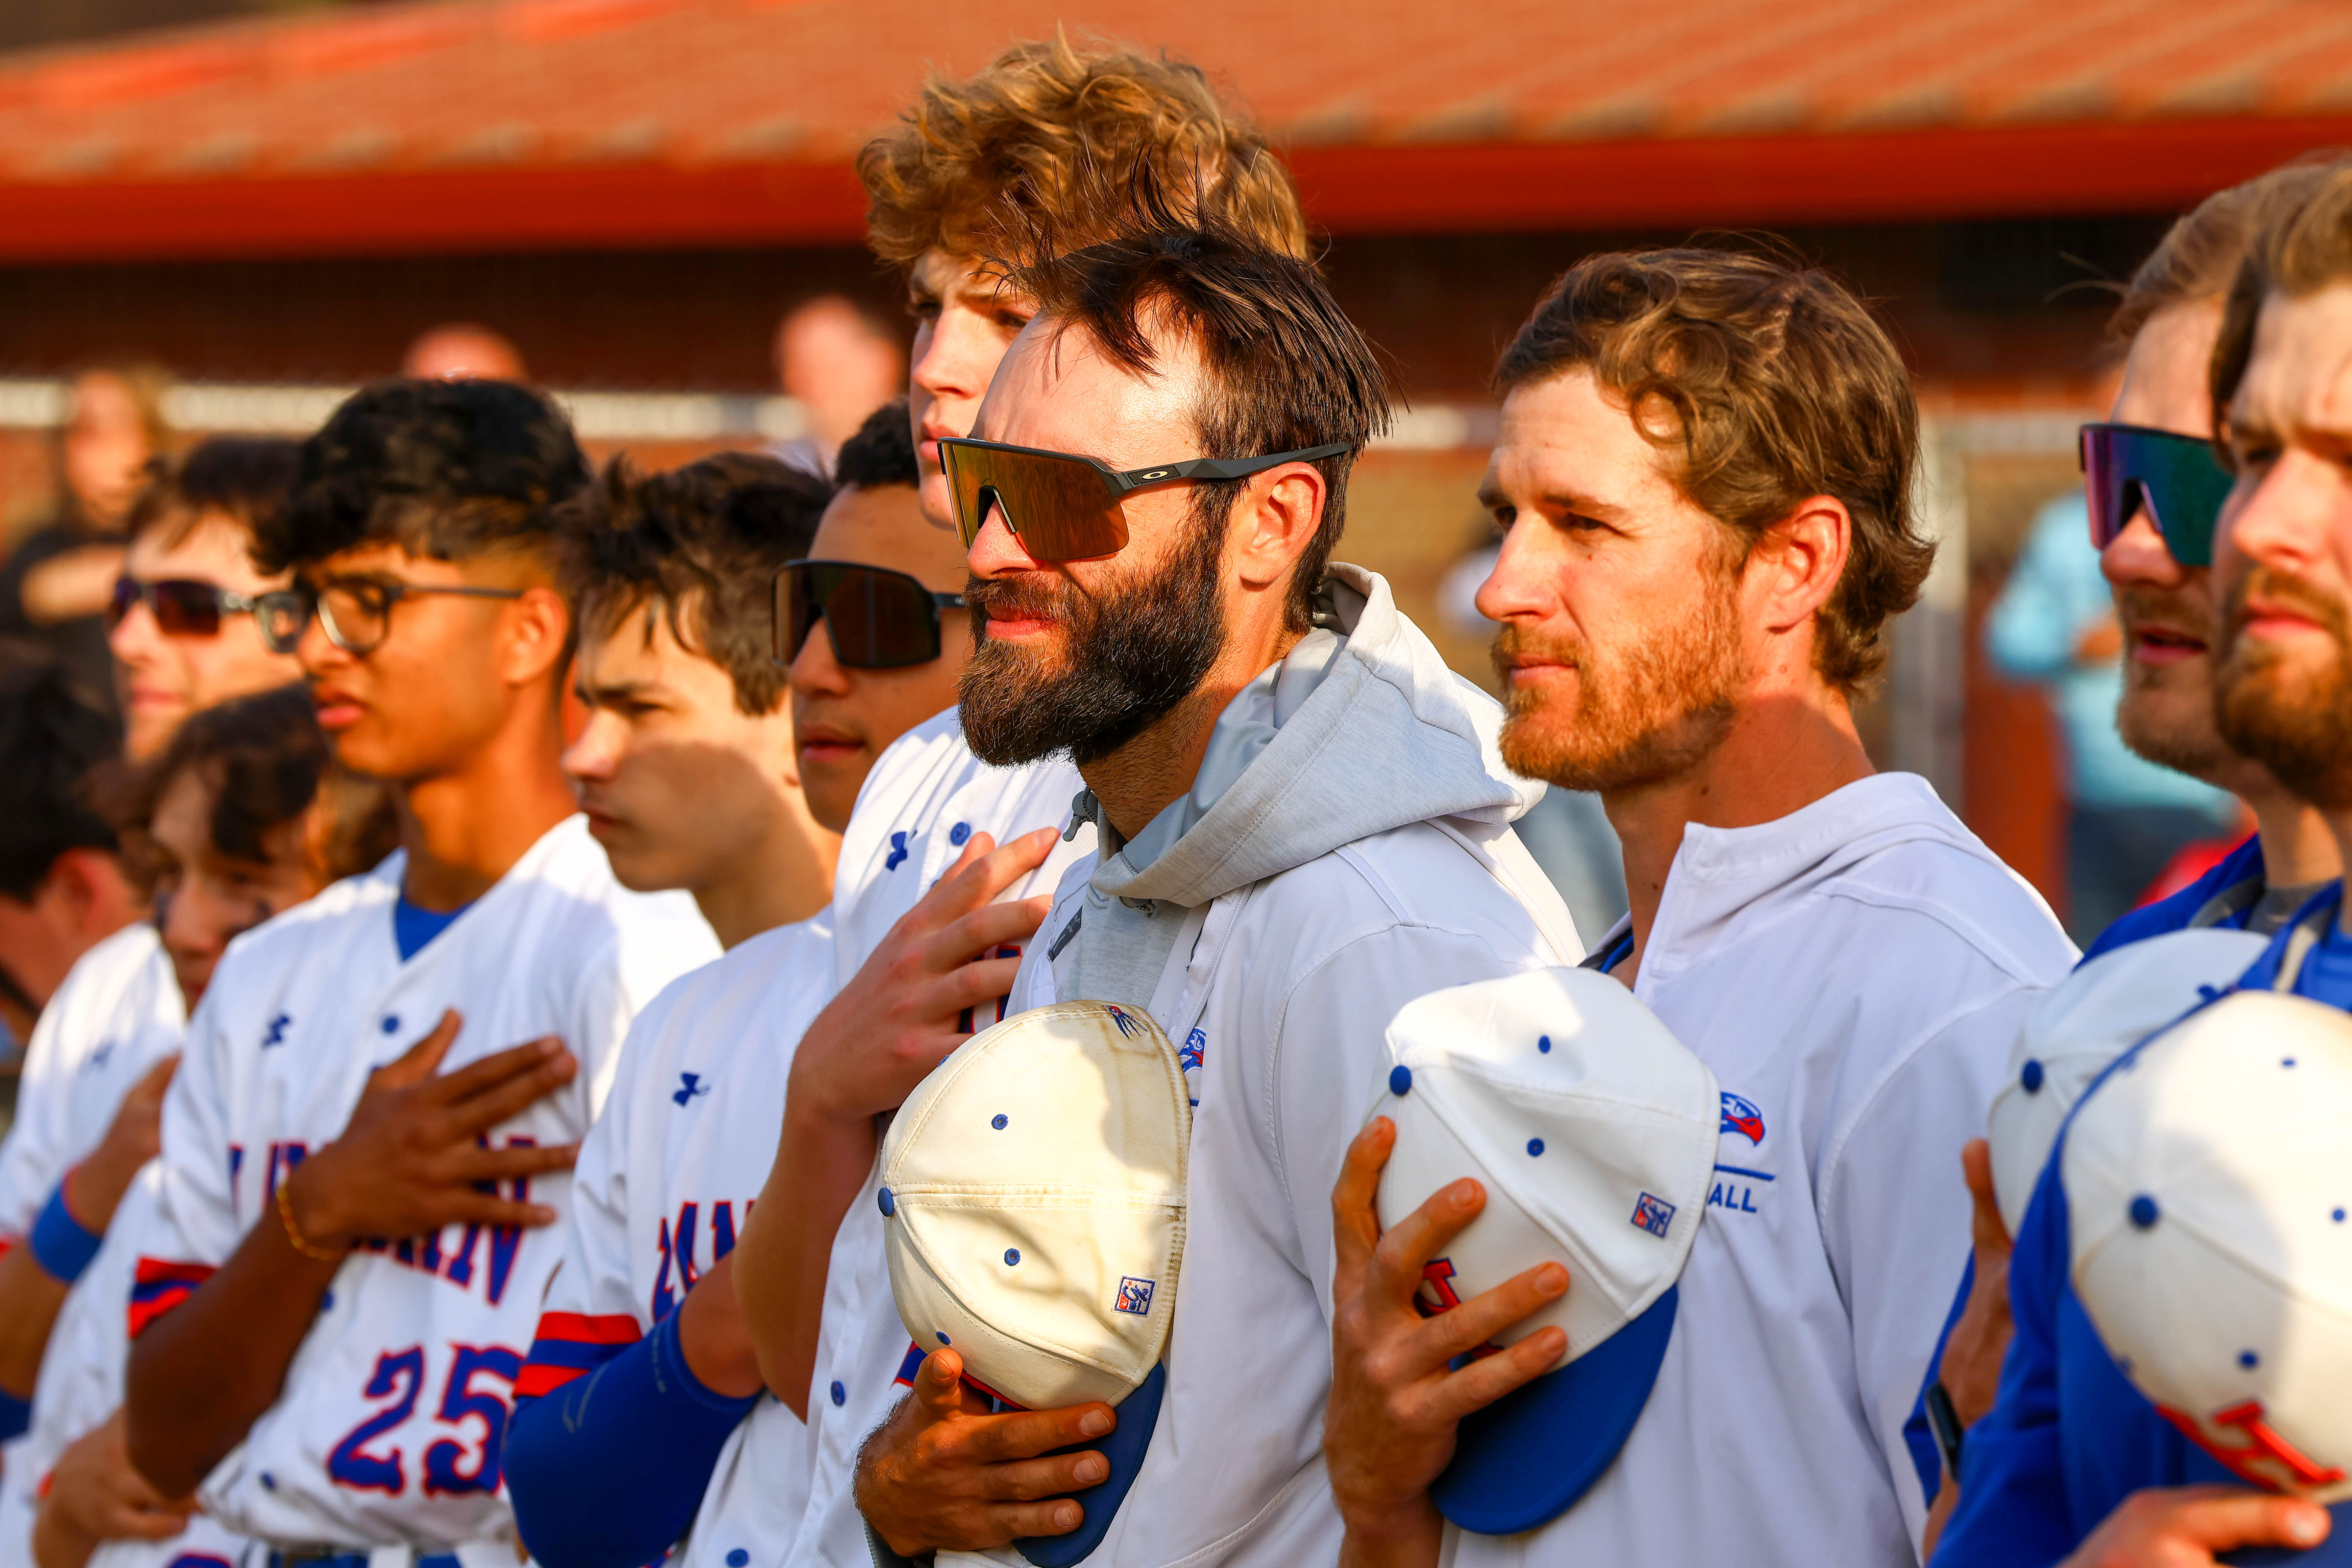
(242, 816)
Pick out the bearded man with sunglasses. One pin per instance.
(1303, 823)
(382, 1091)
(946, 857)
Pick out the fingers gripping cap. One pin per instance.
(2087, 1021)
(1036, 1204)
(2208, 1193)
(1593, 1131)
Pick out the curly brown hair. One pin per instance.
(1762, 382)
(1025, 131)
(2199, 254)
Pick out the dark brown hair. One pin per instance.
(1285, 369)
(704, 543)
(243, 478)
(53, 739)
(267, 765)
(1025, 130)
(1761, 382)
(2302, 250)
(2199, 254)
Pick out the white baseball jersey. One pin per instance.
(665, 1181)
(118, 1013)
(924, 799)
(80, 1388)
(1853, 973)
(395, 1408)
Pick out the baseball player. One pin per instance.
(2155, 486)
(246, 819)
(1704, 479)
(378, 1105)
(811, 1264)
(87, 1105)
(1303, 825)
(688, 772)
(2071, 1464)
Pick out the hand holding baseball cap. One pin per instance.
(1593, 1131)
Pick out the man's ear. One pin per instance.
(537, 644)
(1274, 521)
(1796, 564)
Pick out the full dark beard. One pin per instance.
(2297, 722)
(1133, 653)
(1645, 712)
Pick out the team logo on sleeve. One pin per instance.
(277, 1036)
(689, 1084)
(1743, 1117)
(1135, 1296)
(1653, 1214)
(897, 852)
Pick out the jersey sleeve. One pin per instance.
(195, 1227)
(1893, 1207)
(589, 1318)
(2012, 1510)
(34, 1158)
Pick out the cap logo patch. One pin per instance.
(1743, 1117)
(1653, 1214)
(1436, 1293)
(2262, 1458)
(1126, 1024)
(1135, 1296)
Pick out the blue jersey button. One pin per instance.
(737, 1558)
(959, 833)
(840, 1395)
(392, 1023)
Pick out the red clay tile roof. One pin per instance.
(492, 124)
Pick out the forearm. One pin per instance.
(30, 1299)
(58, 1543)
(1407, 1537)
(200, 1377)
(714, 1337)
(787, 1245)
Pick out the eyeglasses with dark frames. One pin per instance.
(354, 611)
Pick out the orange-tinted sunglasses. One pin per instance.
(1064, 507)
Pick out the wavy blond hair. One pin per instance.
(1033, 133)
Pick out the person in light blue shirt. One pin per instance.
(2054, 624)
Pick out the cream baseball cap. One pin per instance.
(2209, 1196)
(1593, 1131)
(1033, 1186)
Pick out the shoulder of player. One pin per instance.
(116, 976)
(1948, 903)
(757, 995)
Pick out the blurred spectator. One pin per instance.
(53, 590)
(839, 364)
(180, 617)
(2054, 624)
(462, 351)
(62, 886)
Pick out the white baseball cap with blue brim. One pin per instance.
(2209, 1196)
(1034, 1190)
(1593, 1131)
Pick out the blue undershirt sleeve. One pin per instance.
(2013, 1511)
(608, 1471)
(16, 1417)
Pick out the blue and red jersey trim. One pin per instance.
(573, 1344)
(161, 1285)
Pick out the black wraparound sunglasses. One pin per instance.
(876, 618)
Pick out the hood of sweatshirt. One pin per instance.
(1361, 728)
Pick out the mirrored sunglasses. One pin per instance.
(2177, 479)
(876, 618)
(1065, 507)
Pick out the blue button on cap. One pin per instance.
(944, 1340)
(1535, 1146)
(884, 1198)
(2031, 1078)
(737, 1558)
(2143, 1211)
(2249, 1360)
(1400, 1080)
(1012, 1254)
(840, 1395)
(959, 833)
(997, 1121)
(1543, 1042)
